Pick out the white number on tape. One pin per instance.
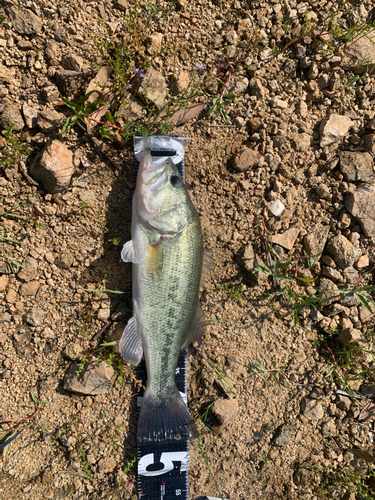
(166, 459)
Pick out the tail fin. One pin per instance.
(165, 421)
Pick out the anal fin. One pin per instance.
(197, 327)
(130, 344)
(208, 264)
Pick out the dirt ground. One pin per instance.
(281, 389)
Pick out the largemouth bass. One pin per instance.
(166, 250)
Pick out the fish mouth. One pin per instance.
(153, 175)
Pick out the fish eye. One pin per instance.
(175, 180)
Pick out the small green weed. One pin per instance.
(115, 241)
(82, 454)
(84, 205)
(265, 373)
(235, 293)
(345, 477)
(130, 464)
(12, 152)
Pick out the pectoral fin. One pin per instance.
(154, 262)
(128, 252)
(130, 344)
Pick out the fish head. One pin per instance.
(162, 199)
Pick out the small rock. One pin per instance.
(350, 300)
(361, 204)
(152, 88)
(11, 115)
(356, 166)
(231, 37)
(302, 142)
(365, 314)
(52, 51)
(49, 120)
(30, 115)
(332, 274)
(315, 241)
(30, 288)
(312, 409)
(248, 158)
(364, 261)
(284, 435)
(106, 465)
(95, 379)
(25, 22)
(323, 191)
(3, 282)
(53, 167)
(333, 129)
(342, 251)
(11, 297)
(257, 89)
(316, 393)
(69, 82)
(351, 274)
(73, 351)
(316, 315)
(154, 43)
(51, 93)
(29, 271)
(104, 314)
(180, 82)
(34, 317)
(327, 290)
(350, 336)
(130, 111)
(67, 441)
(65, 260)
(343, 402)
(48, 333)
(276, 208)
(359, 56)
(287, 239)
(225, 410)
(238, 86)
(72, 62)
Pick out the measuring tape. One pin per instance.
(163, 468)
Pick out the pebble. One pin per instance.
(30, 288)
(350, 336)
(95, 379)
(356, 166)
(361, 204)
(29, 271)
(53, 167)
(312, 409)
(35, 317)
(333, 129)
(315, 241)
(225, 410)
(246, 159)
(286, 239)
(152, 88)
(342, 251)
(3, 282)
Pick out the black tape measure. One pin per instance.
(163, 468)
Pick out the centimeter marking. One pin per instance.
(163, 468)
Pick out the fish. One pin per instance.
(167, 253)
